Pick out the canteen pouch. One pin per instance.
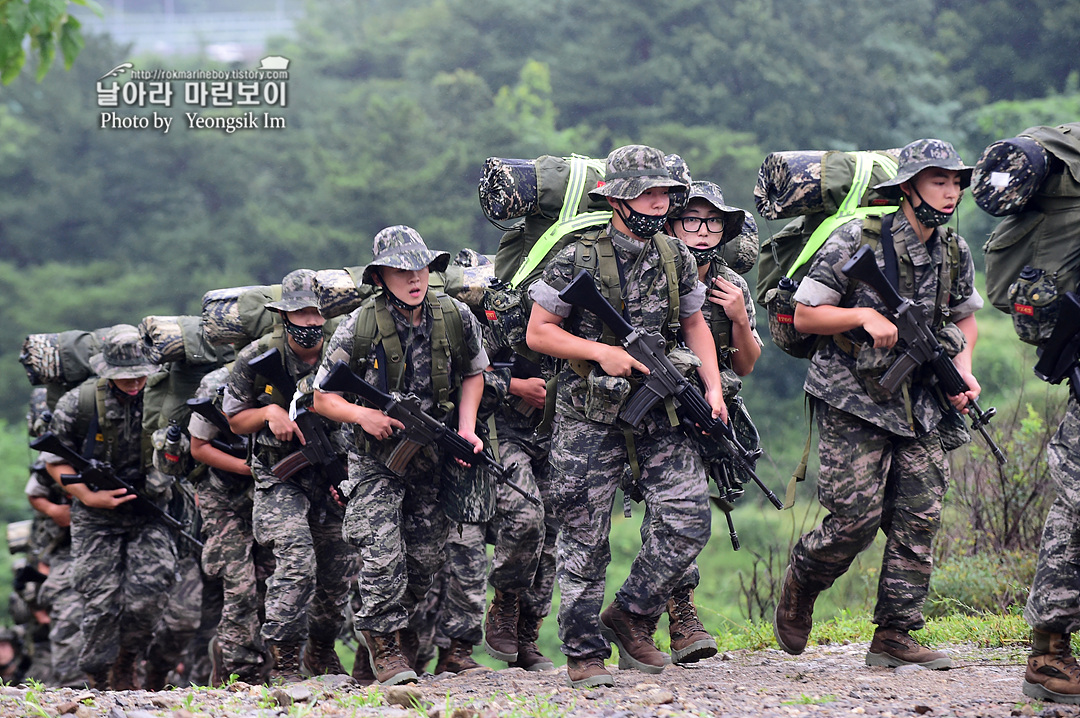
(605, 396)
(953, 430)
(506, 313)
(1033, 304)
(780, 306)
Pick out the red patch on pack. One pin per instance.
(1024, 309)
(491, 316)
(785, 318)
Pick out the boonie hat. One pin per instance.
(921, 154)
(121, 355)
(402, 247)
(633, 169)
(711, 193)
(297, 292)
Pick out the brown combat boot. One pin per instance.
(285, 663)
(633, 634)
(409, 640)
(690, 642)
(501, 626)
(529, 656)
(387, 662)
(123, 672)
(588, 672)
(1052, 673)
(794, 616)
(893, 648)
(320, 658)
(457, 658)
(361, 670)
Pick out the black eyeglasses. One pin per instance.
(715, 225)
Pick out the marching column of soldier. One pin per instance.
(282, 551)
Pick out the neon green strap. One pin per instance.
(569, 220)
(849, 209)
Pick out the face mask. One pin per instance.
(642, 225)
(705, 256)
(305, 337)
(929, 216)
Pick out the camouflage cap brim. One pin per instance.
(924, 154)
(631, 187)
(108, 370)
(733, 216)
(293, 301)
(410, 258)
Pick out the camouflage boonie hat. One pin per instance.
(633, 169)
(402, 247)
(679, 170)
(121, 355)
(711, 193)
(297, 292)
(921, 154)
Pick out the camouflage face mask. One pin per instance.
(929, 216)
(305, 337)
(642, 225)
(706, 255)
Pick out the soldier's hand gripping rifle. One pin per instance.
(664, 379)
(317, 450)
(1058, 357)
(421, 429)
(226, 440)
(913, 327)
(99, 476)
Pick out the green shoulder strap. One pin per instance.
(570, 220)
(274, 339)
(668, 258)
(447, 344)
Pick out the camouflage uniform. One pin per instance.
(58, 595)
(587, 459)
(396, 522)
(230, 553)
(126, 559)
(878, 469)
(296, 519)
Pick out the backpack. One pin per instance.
(785, 257)
(1033, 256)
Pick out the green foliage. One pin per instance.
(46, 24)
(982, 583)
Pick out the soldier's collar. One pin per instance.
(626, 242)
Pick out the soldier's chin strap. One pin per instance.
(397, 301)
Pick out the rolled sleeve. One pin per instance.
(813, 293)
(692, 301)
(967, 307)
(547, 297)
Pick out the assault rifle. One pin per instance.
(317, 451)
(226, 441)
(99, 476)
(664, 379)
(1058, 357)
(421, 429)
(923, 347)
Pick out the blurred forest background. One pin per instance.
(392, 109)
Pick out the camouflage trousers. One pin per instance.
(399, 529)
(300, 523)
(59, 597)
(587, 461)
(871, 479)
(232, 556)
(454, 606)
(124, 570)
(181, 617)
(1052, 605)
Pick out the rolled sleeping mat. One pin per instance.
(60, 357)
(507, 188)
(237, 315)
(177, 339)
(804, 182)
(1008, 174)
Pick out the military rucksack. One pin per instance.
(785, 257)
(1033, 256)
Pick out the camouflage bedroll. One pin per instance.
(177, 339)
(340, 291)
(512, 188)
(1033, 256)
(741, 252)
(237, 315)
(805, 182)
(1010, 172)
(60, 357)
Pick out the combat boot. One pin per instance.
(893, 648)
(99, 680)
(457, 658)
(529, 656)
(409, 640)
(217, 663)
(633, 634)
(387, 662)
(123, 672)
(690, 642)
(1052, 673)
(285, 663)
(588, 672)
(361, 670)
(501, 626)
(794, 616)
(157, 675)
(320, 658)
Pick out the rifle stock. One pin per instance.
(664, 379)
(228, 441)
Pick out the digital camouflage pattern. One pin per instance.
(60, 598)
(871, 479)
(1052, 604)
(806, 182)
(589, 460)
(721, 327)
(297, 292)
(633, 169)
(121, 355)
(507, 188)
(460, 589)
(1008, 174)
(402, 247)
(741, 253)
(230, 552)
(851, 384)
(238, 315)
(919, 155)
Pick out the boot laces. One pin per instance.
(506, 619)
(685, 612)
